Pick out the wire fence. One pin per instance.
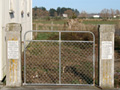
(117, 68)
(61, 61)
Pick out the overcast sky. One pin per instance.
(90, 6)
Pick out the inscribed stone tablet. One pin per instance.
(107, 50)
(13, 50)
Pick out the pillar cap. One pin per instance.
(13, 27)
(106, 28)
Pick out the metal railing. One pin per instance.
(59, 62)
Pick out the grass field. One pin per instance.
(62, 21)
(49, 21)
(47, 36)
(63, 24)
(101, 22)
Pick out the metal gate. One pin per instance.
(59, 61)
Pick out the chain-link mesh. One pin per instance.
(117, 69)
(42, 62)
(59, 62)
(77, 62)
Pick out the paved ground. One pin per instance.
(51, 88)
(55, 88)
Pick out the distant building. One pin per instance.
(114, 16)
(65, 15)
(96, 16)
(13, 11)
(91, 15)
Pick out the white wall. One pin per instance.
(1, 74)
(25, 21)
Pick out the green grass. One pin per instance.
(49, 27)
(45, 70)
(59, 22)
(62, 21)
(117, 70)
(50, 22)
(75, 82)
(47, 36)
(40, 27)
(34, 69)
(100, 22)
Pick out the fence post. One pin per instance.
(106, 56)
(13, 40)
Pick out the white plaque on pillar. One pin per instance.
(13, 50)
(107, 50)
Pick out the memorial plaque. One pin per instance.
(107, 50)
(13, 50)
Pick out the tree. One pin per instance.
(69, 13)
(35, 13)
(52, 12)
(35, 8)
(112, 12)
(117, 12)
(83, 14)
(42, 8)
(39, 12)
(59, 11)
(76, 12)
(105, 13)
(63, 10)
(43, 13)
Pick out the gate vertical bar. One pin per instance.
(93, 60)
(24, 59)
(59, 57)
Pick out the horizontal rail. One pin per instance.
(36, 84)
(55, 31)
(57, 41)
(59, 32)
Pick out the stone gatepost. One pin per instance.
(106, 56)
(13, 39)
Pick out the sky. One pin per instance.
(90, 6)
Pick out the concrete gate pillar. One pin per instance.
(13, 39)
(106, 56)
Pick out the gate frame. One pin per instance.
(59, 41)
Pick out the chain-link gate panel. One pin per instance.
(77, 63)
(59, 62)
(42, 62)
